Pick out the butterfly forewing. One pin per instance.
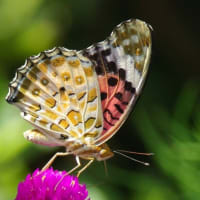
(121, 62)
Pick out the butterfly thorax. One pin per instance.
(89, 151)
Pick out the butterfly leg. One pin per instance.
(85, 167)
(77, 166)
(49, 163)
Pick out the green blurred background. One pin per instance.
(166, 119)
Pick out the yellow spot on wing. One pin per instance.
(82, 105)
(79, 80)
(65, 76)
(73, 133)
(36, 92)
(35, 107)
(43, 67)
(34, 115)
(59, 109)
(65, 105)
(98, 123)
(75, 117)
(89, 122)
(91, 134)
(32, 76)
(80, 130)
(50, 102)
(92, 108)
(54, 127)
(138, 51)
(74, 63)
(138, 66)
(64, 96)
(92, 94)
(50, 114)
(80, 95)
(57, 62)
(88, 71)
(63, 123)
(43, 122)
(54, 74)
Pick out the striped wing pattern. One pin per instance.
(83, 95)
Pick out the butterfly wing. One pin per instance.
(85, 95)
(121, 62)
(58, 93)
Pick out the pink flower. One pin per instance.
(45, 185)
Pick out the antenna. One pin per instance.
(131, 152)
(137, 153)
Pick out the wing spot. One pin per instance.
(106, 52)
(92, 95)
(74, 63)
(79, 80)
(50, 114)
(57, 62)
(32, 76)
(128, 86)
(44, 81)
(50, 102)
(138, 51)
(81, 95)
(54, 74)
(43, 122)
(43, 67)
(88, 71)
(122, 74)
(36, 92)
(65, 76)
(56, 128)
(103, 96)
(35, 107)
(112, 81)
(63, 137)
(75, 117)
(119, 109)
(89, 122)
(63, 123)
(118, 96)
(99, 70)
(138, 66)
(91, 134)
(112, 66)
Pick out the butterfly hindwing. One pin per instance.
(58, 92)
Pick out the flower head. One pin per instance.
(51, 185)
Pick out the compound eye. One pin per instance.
(102, 152)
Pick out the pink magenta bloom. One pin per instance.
(42, 185)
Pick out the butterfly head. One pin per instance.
(104, 153)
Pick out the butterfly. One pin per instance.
(80, 99)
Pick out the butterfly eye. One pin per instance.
(102, 152)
